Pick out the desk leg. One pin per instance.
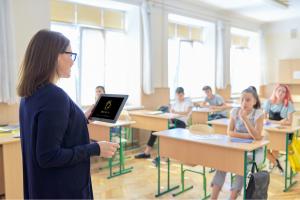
(287, 185)
(159, 193)
(121, 159)
(245, 173)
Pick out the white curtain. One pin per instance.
(223, 55)
(8, 68)
(146, 48)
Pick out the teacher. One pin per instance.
(55, 141)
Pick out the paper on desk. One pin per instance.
(154, 112)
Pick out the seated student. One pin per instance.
(99, 90)
(279, 109)
(214, 101)
(245, 122)
(182, 106)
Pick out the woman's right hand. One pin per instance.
(108, 149)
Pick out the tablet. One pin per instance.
(108, 108)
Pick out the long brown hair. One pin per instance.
(40, 61)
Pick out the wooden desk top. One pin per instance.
(147, 113)
(223, 121)
(269, 127)
(210, 139)
(111, 125)
(282, 129)
(6, 138)
(208, 110)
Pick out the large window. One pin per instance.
(245, 68)
(107, 57)
(191, 62)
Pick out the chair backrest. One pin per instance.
(201, 129)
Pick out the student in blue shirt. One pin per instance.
(279, 109)
(56, 149)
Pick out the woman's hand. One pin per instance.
(108, 149)
(88, 112)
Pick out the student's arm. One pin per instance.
(220, 103)
(189, 110)
(232, 133)
(254, 131)
(52, 123)
(287, 121)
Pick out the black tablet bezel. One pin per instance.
(125, 97)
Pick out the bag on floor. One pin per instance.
(294, 154)
(258, 184)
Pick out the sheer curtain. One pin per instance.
(8, 66)
(223, 55)
(146, 48)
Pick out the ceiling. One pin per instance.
(262, 10)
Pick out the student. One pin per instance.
(182, 106)
(279, 109)
(245, 122)
(55, 143)
(214, 101)
(99, 90)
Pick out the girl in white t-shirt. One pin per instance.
(245, 122)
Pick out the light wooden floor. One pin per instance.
(142, 184)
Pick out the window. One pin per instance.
(191, 62)
(70, 84)
(106, 56)
(245, 68)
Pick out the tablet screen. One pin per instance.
(108, 108)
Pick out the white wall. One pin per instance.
(29, 16)
(279, 45)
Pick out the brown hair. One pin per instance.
(101, 87)
(40, 61)
(252, 90)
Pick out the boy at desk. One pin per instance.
(214, 101)
(183, 107)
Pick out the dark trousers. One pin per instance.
(177, 124)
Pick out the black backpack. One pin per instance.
(258, 184)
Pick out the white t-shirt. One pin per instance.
(183, 107)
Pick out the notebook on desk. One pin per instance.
(241, 140)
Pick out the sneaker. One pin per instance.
(155, 161)
(142, 155)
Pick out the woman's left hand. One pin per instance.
(88, 112)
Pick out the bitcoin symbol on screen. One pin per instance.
(107, 105)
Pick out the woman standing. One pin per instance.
(55, 141)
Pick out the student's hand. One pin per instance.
(108, 149)
(243, 114)
(213, 107)
(172, 110)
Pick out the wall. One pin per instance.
(279, 45)
(29, 16)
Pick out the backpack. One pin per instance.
(258, 184)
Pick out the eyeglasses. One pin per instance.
(73, 55)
